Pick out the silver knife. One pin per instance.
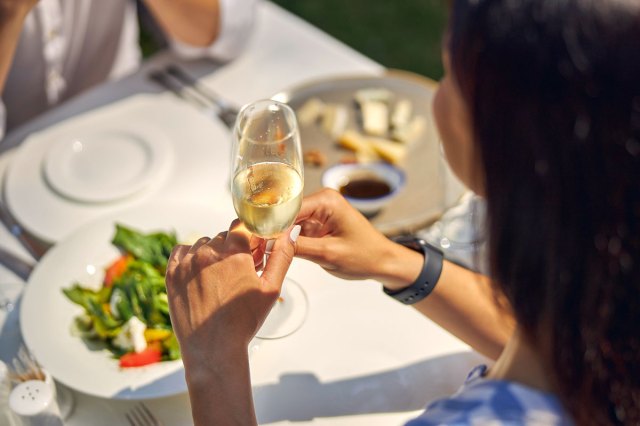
(35, 246)
(16, 265)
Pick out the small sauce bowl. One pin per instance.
(367, 187)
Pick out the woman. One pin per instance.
(540, 113)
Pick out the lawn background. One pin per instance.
(402, 34)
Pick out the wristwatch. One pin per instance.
(428, 278)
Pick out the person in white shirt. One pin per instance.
(50, 50)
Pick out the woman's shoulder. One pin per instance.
(496, 402)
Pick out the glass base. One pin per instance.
(288, 313)
(66, 401)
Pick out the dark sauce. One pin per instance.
(365, 188)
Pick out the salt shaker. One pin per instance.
(35, 402)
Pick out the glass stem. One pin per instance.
(267, 251)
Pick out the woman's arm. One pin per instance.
(12, 16)
(217, 304)
(462, 302)
(343, 242)
(220, 388)
(193, 22)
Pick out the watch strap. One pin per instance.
(429, 276)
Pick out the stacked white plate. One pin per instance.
(140, 149)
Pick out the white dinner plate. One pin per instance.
(107, 164)
(46, 314)
(198, 168)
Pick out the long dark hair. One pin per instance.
(553, 89)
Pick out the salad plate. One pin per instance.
(46, 315)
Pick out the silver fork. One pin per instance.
(141, 416)
(25, 367)
(228, 112)
(190, 89)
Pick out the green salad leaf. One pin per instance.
(152, 248)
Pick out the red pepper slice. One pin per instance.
(115, 270)
(151, 355)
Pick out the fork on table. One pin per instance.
(187, 87)
(140, 415)
(25, 367)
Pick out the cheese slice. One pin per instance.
(390, 151)
(310, 112)
(365, 153)
(352, 140)
(401, 114)
(410, 132)
(375, 118)
(335, 120)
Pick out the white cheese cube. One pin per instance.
(375, 118)
(132, 336)
(310, 112)
(411, 132)
(335, 120)
(401, 114)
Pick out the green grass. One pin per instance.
(404, 34)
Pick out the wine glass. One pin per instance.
(266, 187)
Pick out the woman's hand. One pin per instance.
(217, 304)
(217, 300)
(341, 240)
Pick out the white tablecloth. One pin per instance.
(360, 358)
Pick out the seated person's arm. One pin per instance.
(12, 16)
(343, 242)
(201, 28)
(462, 302)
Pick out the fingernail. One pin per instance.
(269, 247)
(295, 233)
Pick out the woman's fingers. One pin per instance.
(201, 241)
(177, 254)
(311, 248)
(258, 246)
(319, 205)
(280, 259)
(238, 238)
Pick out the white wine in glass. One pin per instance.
(267, 180)
(267, 197)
